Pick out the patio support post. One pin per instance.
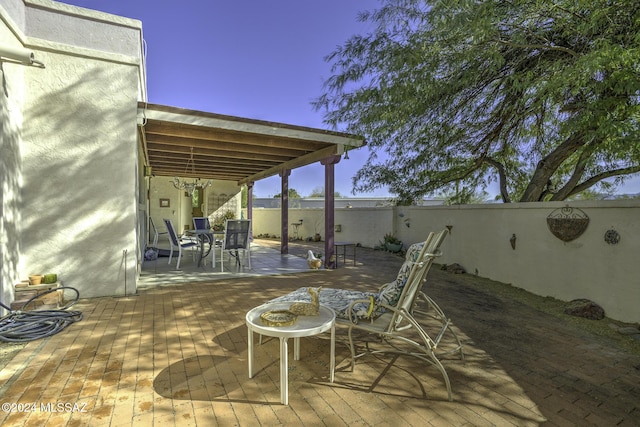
(284, 211)
(250, 207)
(329, 205)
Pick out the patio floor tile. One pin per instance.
(176, 354)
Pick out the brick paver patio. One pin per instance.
(177, 355)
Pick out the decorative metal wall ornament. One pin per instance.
(612, 237)
(567, 223)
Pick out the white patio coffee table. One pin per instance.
(305, 326)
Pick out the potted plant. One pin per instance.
(392, 243)
(317, 226)
(221, 219)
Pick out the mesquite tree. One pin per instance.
(541, 96)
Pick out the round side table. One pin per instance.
(305, 326)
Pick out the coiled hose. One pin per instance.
(22, 326)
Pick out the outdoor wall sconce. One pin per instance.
(512, 240)
(337, 228)
(19, 56)
(612, 237)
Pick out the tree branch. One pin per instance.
(503, 178)
(539, 46)
(604, 175)
(578, 171)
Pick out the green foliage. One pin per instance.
(244, 196)
(220, 220)
(319, 192)
(195, 199)
(464, 196)
(293, 194)
(391, 238)
(542, 97)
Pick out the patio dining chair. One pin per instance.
(201, 223)
(236, 238)
(177, 243)
(391, 314)
(156, 233)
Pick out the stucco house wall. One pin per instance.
(11, 100)
(76, 135)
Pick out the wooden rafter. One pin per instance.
(231, 148)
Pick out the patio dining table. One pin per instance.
(206, 236)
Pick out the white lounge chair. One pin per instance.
(390, 313)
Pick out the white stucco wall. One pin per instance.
(366, 226)
(218, 198)
(13, 14)
(11, 101)
(79, 157)
(78, 148)
(587, 267)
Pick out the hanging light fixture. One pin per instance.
(190, 187)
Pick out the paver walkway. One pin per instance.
(177, 355)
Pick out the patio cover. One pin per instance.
(242, 150)
(231, 148)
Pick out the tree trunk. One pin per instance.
(548, 166)
(578, 171)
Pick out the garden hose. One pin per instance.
(22, 326)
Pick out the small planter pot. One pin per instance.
(393, 247)
(35, 279)
(49, 278)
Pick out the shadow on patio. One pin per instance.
(265, 260)
(176, 354)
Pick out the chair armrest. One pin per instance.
(370, 301)
(384, 286)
